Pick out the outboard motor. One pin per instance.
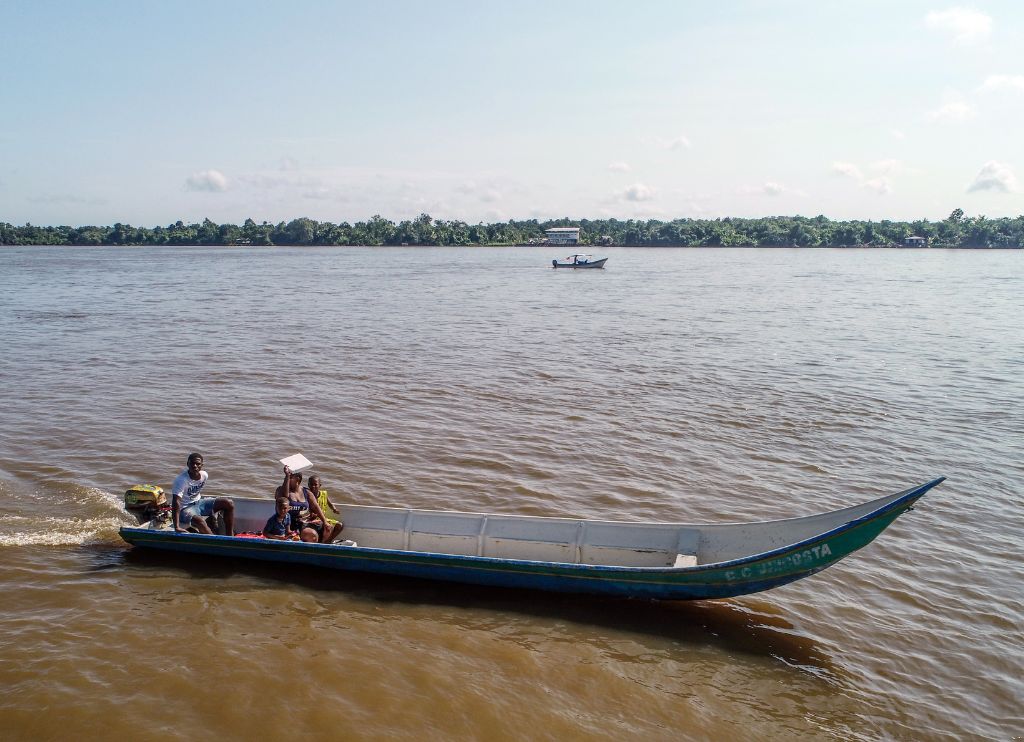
(147, 502)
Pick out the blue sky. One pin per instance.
(149, 112)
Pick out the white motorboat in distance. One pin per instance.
(579, 261)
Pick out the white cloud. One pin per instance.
(848, 170)
(679, 142)
(998, 83)
(965, 25)
(207, 180)
(487, 194)
(994, 176)
(881, 186)
(769, 188)
(638, 192)
(956, 111)
(263, 182)
(619, 167)
(321, 193)
(395, 193)
(887, 167)
(897, 134)
(290, 181)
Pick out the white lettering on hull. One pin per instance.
(808, 558)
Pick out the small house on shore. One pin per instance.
(915, 241)
(563, 235)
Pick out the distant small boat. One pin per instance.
(670, 561)
(579, 261)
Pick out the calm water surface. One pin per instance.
(692, 385)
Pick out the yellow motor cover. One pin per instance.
(143, 495)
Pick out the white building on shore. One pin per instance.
(563, 235)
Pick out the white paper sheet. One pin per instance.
(298, 462)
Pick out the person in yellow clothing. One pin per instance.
(333, 527)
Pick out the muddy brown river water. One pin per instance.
(677, 384)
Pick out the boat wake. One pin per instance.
(100, 518)
(17, 530)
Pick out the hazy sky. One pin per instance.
(149, 112)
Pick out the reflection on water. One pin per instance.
(747, 627)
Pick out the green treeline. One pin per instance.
(777, 231)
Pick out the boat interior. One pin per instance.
(564, 540)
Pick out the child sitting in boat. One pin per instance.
(279, 525)
(333, 529)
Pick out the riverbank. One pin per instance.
(777, 231)
(558, 249)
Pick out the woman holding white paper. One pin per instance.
(305, 511)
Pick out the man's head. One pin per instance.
(314, 483)
(195, 464)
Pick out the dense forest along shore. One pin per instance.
(955, 231)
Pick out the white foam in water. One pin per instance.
(21, 531)
(48, 530)
(91, 495)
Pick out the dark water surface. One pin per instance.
(694, 385)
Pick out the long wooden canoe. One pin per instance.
(668, 561)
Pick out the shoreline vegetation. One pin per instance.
(956, 231)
